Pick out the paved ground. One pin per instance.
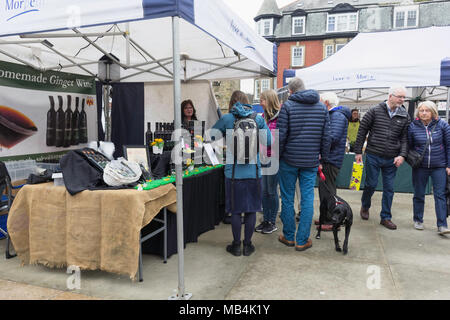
(381, 264)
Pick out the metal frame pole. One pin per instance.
(178, 166)
(448, 105)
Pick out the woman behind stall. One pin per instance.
(246, 186)
(270, 202)
(435, 163)
(188, 112)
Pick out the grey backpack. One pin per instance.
(245, 140)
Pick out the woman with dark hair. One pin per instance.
(188, 112)
(242, 180)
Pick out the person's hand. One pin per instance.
(398, 161)
(448, 171)
(358, 158)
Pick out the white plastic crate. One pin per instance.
(48, 166)
(21, 169)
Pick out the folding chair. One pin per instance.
(6, 201)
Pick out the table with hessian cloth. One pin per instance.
(94, 230)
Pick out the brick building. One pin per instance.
(308, 31)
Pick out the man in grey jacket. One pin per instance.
(387, 147)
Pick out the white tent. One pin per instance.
(412, 58)
(143, 47)
(148, 38)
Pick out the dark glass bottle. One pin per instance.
(59, 134)
(68, 123)
(51, 123)
(75, 123)
(157, 130)
(82, 129)
(148, 135)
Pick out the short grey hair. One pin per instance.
(331, 97)
(396, 88)
(431, 106)
(296, 84)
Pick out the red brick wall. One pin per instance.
(313, 55)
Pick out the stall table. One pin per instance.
(203, 209)
(92, 230)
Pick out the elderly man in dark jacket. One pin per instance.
(304, 135)
(387, 147)
(339, 118)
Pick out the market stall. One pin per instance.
(363, 70)
(176, 40)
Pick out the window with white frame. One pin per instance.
(264, 27)
(298, 25)
(261, 85)
(297, 56)
(406, 17)
(342, 22)
(329, 50)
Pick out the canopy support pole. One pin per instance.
(448, 104)
(178, 164)
(106, 108)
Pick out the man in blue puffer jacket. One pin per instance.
(339, 118)
(304, 135)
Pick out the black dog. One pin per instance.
(341, 214)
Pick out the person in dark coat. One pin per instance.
(387, 146)
(304, 135)
(435, 163)
(339, 118)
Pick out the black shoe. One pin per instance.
(248, 249)
(269, 228)
(261, 226)
(234, 248)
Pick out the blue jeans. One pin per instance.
(373, 166)
(420, 179)
(270, 200)
(288, 179)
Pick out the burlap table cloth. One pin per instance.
(92, 229)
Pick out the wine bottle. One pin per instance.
(75, 123)
(51, 123)
(149, 135)
(59, 132)
(82, 129)
(68, 123)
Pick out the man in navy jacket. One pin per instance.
(339, 118)
(304, 136)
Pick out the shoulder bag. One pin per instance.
(414, 158)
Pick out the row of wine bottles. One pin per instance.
(66, 128)
(163, 131)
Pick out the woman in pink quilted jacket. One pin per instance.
(270, 201)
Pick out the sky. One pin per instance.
(247, 10)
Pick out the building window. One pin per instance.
(297, 56)
(329, 50)
(339, 46)
(406, 17)
(298, 25)
(264, 27)
(261, 85)
(342, 22)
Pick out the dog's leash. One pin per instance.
(322, 177)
